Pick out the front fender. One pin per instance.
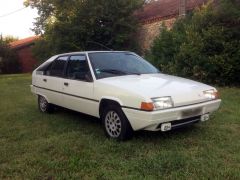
(113, 99)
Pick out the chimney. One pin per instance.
(182, 8)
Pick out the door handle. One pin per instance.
(66, 84)
(45, 80)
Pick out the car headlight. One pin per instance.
(157, 103)
(211, 94)
(162, 102)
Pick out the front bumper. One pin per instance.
(33, 89)
(151, 120)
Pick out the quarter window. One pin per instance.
(78, 68)
(43, 69)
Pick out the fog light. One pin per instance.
(205, 117)
(166, 127)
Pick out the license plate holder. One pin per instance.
(191, 112)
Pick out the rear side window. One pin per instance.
(78, 68)
(57, 67)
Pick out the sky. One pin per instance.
(19, 23)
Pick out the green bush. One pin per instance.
(204, 46)
(8, 59)
(42, 50)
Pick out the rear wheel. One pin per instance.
(44, 106)
(116, 125)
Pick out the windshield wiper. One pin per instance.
(116, 71)
(134, 73)
(112, 71)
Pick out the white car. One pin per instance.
(124, 90)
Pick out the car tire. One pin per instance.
(116, 124)
(44, 106)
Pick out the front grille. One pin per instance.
(185, 120)
(182, 122)
(191, 112)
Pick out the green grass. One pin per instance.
(70, 145)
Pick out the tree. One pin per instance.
(8, 59)
(70, 25)
(204, 46)
(8, 39)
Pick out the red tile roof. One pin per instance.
(23, 42)
(164, 8)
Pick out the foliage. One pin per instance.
(73, 25)
(8, 59)
(204, 46)
(8, 39)
(42, 50)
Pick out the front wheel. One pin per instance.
(116, 125)
(44, 106)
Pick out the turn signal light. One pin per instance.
(147, 106)
(217, 95)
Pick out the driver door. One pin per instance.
(78, 86)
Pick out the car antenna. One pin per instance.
(93, 42)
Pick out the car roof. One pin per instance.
(84, 52)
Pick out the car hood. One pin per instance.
(182, 91)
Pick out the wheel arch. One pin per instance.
(40, 94)
(106, 101)
(127, 130)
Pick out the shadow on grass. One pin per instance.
(77, 116)
(183, 132)
(93, 123)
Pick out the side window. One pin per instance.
(57, 67)
(78, 68)
(43, 68)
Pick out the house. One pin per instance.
(23, 48)
(159, 12)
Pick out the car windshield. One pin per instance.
(109, 64)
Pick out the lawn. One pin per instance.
(70, 145)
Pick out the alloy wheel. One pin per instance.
(113, 124)
(43, 104)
